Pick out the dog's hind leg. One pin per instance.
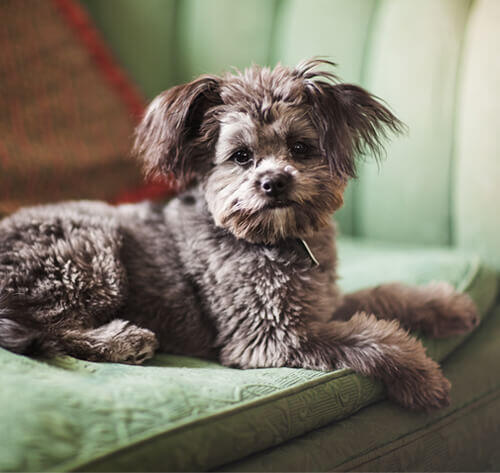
(62, 282)
(118, 341)
(436, 309)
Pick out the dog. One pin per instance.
(241, 266)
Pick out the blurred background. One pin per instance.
(75, 76)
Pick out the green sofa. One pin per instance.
(431, 211)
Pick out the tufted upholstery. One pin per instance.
(433, 61)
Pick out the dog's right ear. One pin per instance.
(168, 137)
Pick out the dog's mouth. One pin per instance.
(278, 204)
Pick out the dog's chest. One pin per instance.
(247, 288)
(247, 285)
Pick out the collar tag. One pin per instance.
(309, 252)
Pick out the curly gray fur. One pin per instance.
(221, 271)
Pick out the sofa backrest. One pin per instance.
(435, 62)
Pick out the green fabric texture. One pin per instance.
(180, 413)
(383, 437)
(143, 36)
(407, 197)
(477, 170)
(219, 34)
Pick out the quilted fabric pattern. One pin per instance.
(82, 411)
(180, 413)
(384, 437)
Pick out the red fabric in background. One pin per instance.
(81, 24)
(83, 27)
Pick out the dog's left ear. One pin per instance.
(171, 137)
(350, 120)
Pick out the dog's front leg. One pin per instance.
(436, 309)
(379, 349)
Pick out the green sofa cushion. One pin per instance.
(384, 437)
(180, 413)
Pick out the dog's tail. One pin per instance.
(19, 332)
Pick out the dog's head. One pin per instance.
(272, 149)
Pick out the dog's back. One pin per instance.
(66, 270)
(59, 269)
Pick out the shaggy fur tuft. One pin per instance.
(240, 267)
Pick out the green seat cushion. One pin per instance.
(384, 437)
(178, 413)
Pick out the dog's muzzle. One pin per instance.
(276, 184)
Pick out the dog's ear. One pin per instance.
(169, 137)
(351, 121)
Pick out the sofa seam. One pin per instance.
(365, 65)
(454, 162)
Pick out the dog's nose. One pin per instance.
(276, 184)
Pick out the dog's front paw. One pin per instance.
(427, 390)
(134, 345)
(449, 312)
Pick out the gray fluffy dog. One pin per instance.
(241, 266)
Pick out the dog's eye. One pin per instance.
(299, 148)
(242, 156)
